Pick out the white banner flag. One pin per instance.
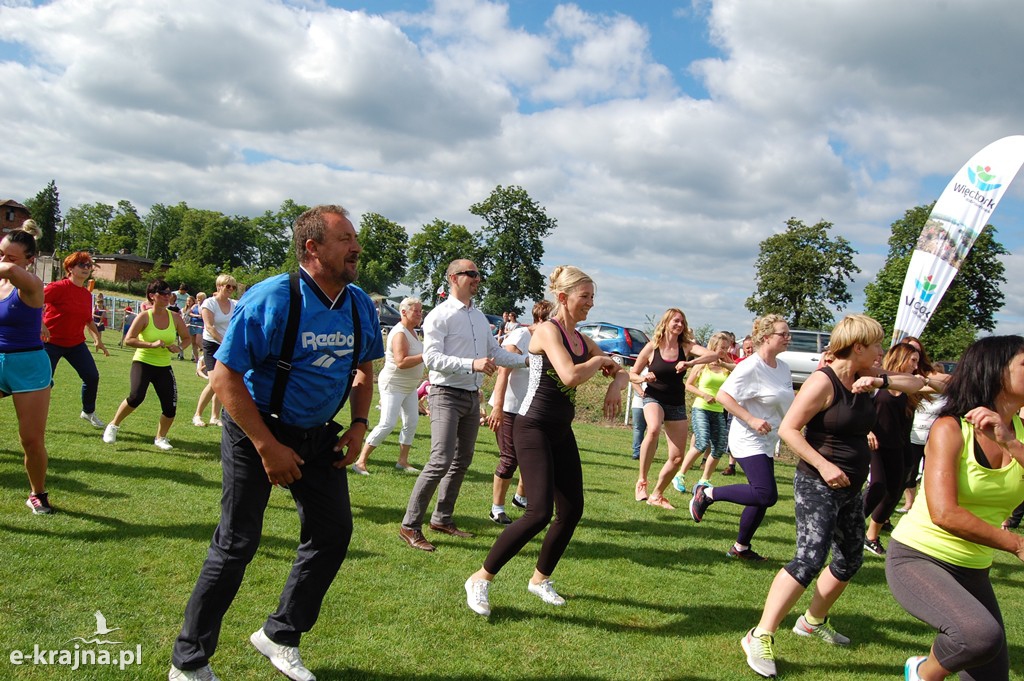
(959, 216)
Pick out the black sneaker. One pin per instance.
(39, 503)
(746, 554)
(500, 518)
(517, 503)
(729, 470)
(887, 526)
(699, 504)
(874, 546)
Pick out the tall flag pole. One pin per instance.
(959, 217)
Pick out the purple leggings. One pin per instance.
(758, 495)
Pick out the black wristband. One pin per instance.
(885, 382)
(360, 419)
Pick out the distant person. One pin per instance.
(99, 314)
(636, 405)
(181, 298)
(68, 314)
(24, 366)
(156, 335)
(940, 554)
(397, 384)
(924, 416)
(216, 312)
(194, 321)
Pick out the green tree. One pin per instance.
(123, 230)
(85, 223)
(45, 210)
(272, 237)
(970, 302)
(430, 252)
(512, 249)
(212, 238)
(801, 272)
(383, 261)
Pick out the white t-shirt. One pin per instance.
(220, 319)
(518, 379)
(401, 381)
(925, 415)
(767, 394)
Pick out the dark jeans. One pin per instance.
(80, 359)
(957, 601)
(325, 521)
(758, 495)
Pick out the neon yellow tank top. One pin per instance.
(158, 357)
(710, 381)
(990, 494)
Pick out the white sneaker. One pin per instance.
(162, 443)
(285, 658)
(356, 468)
(92, 418)
(476, 596)
(546, 592)
(201, 674)
(110, 433)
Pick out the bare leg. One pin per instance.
(32, 409)
(827, 591)
(782, 596)
(123, 410)
(675, 432)
(709, 468)
(931, 670)
(164, 427)
(500, 490)
(655, 417)
(364, 456)
(204, 399)
(403, 455)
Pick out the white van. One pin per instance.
(804, 353)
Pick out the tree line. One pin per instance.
(199, 244)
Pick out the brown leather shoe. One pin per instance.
(452, 530)
(415, 539)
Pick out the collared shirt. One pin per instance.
(454, 335)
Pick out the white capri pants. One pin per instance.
(391, 406)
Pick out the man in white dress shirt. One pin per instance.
(459, 350)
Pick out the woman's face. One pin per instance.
(579, 301)
(13, 253)
(910, 366)
(227, 289)
(779, 338)
(676, 325)
(414, 313)
(868, 356)
(80, 272)
(1013, 383)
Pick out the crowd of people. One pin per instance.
(285, 359)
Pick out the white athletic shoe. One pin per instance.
(201, 674)
(92, 418)
(110, 433)
(162, 443)
(476, 596)
(285, 658)
(546, 592)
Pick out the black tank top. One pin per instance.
(667, 386)
(547, 398)
(840, 433)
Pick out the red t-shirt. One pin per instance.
(68, 311)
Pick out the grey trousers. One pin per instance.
(454, 423)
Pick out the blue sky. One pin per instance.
(666, 157)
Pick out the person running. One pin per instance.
(757, 393)
(25, 372)
(665, 397)
(68, 313)
(216, 312)
(836, 407)
(156, 334)
(561, 359)
(397, 381)
(939, 558)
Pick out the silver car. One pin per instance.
(804, 353)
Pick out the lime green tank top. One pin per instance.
(158, 357)
(710, 382)
(990, 494)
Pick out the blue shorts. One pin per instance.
(24, 372)
(672, 412)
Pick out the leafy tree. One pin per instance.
(123, 230)
(161, 226)
(272, 237)
(703, 333)
(513, 247)
(210, 237)
(45, 210)
(802, 271)
(85, 223)
(430, 252)
(383, 260)
(970, 302)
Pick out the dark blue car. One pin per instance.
(621, 342)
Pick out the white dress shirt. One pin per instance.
(454, 335)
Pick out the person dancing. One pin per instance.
(561, 359)
(25, 372)
(939, 558)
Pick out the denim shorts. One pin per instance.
(672, 412)
(24, 372)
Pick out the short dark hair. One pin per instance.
(981, 374)
(156, 285)
(311, 225)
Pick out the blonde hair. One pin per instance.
(853, 329)
(661, 330)
(409, 302)
(718, 339)
(225, 279)
(566, 279)
(764, 327)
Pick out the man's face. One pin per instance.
(338, 255)
(466, 278)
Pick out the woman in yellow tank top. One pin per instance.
(156, 334)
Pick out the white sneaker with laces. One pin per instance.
(110, 433)
(162, 443)
(285, 658)
(546, 592)
(93, 419)
(476, 596)
(201, 674)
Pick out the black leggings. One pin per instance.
(549, 464)
(957, 601)
(887, 484)
(162, 378)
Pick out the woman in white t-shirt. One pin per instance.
(398, 382)
(216, 313)
(757, 394)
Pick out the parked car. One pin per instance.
(946, 367)
(495, 321)
(621, 342)
(804, 353)
(388, 314)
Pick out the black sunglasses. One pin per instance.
(472, 274)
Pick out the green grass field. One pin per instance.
(650, 594)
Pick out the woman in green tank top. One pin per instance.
(157, 334)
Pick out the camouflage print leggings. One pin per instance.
(826, 519)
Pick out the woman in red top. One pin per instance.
(68, 313)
